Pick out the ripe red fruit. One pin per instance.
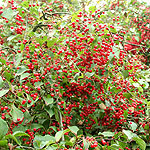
(18, 119)
(23, 102)
(52, 95)
(39, 88)
(59, 103)
(29, 101)
(103, 142)
(1, 12)
(3, 117)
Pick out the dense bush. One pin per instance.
(72, 78)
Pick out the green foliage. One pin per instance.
(73, 76)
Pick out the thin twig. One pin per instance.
(50, 14)
(135, 44)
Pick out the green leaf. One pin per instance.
(38, 84)
(1, 82)
(114, 147)
(54, 128)
(127, 95)
(117, 52)
(3, 92)
(27, 117)
(11, 37)
(115, 90)
(16, 114)
(110, 56)
(20, 133)
(136, 84)
(41, 141)
(8, 13)
(133, 126)
(137, 38)
(48, 99)
(89, 74)
(20, 128)
(50, 43)
(92, 9)
(107, 134)
(49, 111)
(140, 142)
(3, 61)
(21, 70)
(10, 136)
(58, 135)
(24, 75)
(129, 134)
(44, 138)
(3, 128)
(66, 130)
(22, 47)
(125, 73)
(74, 129)
(140, 89)
(86, 144)
(8, 75)
(35, 125)
(18, 59)
(3, 143)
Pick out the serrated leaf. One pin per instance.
(16, 113)
(125, 73)
(50, 111)
(107, 134)
(89, 74)
(8, 75)
(115, 147)
(3, 143)
(54, 128)
(86, 144)
(3, 92)
(3, 128)
(136, 84)
(20, 133)
(129, 134)
(36, 125)
(18, 59)
(38, 84)
(24, 75)
(127, 95)
(74, 129)
(58, 135)
(21, 70)
(140, 142)
(1, 82)
(8, 13)
(41, 141)
(22, 47)
(50, 43)
(133, 126)
(10, 136)
(116, 51)
(48, 99)
(3, 61)
(11, 37)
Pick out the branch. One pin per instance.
(60, 121)
(39, 26)
(50, 14)
(135, 44)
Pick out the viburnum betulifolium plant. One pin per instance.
(74, 76)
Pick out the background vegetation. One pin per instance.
(74, 76)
